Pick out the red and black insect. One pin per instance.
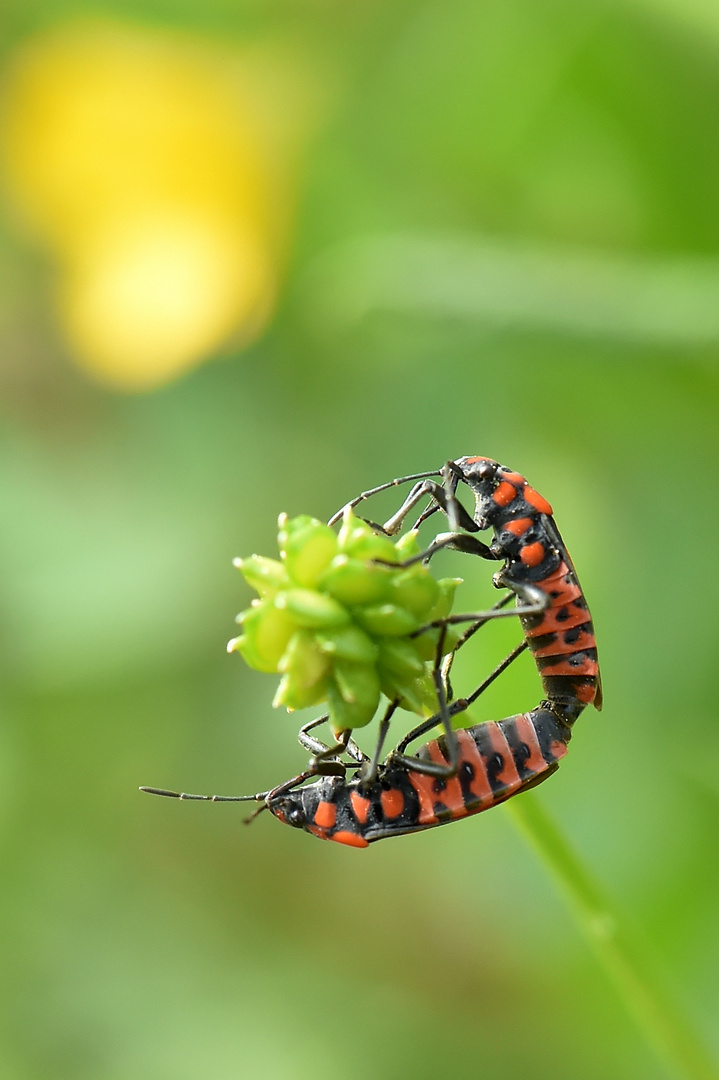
(537, 568)
(496, 761)
(472, 769)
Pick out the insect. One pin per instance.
(470, 769)
(497, 759)
(537, 568)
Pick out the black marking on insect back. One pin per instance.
(493, 760)
(549, 729)
(541, 641)
(440, 784)
(394, 778)
(561, 691)
(466, 775)
(575, 660)
(411, 798)
(519, 748)
(442, 747)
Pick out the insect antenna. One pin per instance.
(260, 797)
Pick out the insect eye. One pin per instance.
(485, 470)
(296, 817)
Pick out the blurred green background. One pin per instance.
(482, 227)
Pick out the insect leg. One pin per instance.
(459, 518)
(461, 704)
(434, 768)
(441, 675)
(369, 771)
(449, 658)
(326, 762)
(535, 600)
(382, 487)
(317, 747)
(459, 541)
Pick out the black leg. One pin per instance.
(369, 771)
(320, 749)
(327, 763)
(509, 659)
(454, 541)
(534, 601)
(458, 517)
(461, 704)
(449, 658)
(306, 741)
(433, 768)
(382, 487)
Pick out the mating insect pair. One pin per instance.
(471, 769)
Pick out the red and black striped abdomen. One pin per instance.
(497, 760)
(562, 642)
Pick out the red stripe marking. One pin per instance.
(504, 494)
(514, 478)
(392, 802)
(350, 838)
(566, 591)
(563, 583)
(560, 572)
(325, 815)
(558, 749)
(480, 786)
(532, 554)
(559, 647)
(519, 526)
(586, 692)
(525, 731)
(509, 775)
(537, 501)
(552, 624)
(424, 785)
(360, 805)
(450, 795)
(472, 460)
(321, 833)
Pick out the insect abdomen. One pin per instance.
(497, 760)
(563, 644)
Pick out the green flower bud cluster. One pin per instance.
(336, 623)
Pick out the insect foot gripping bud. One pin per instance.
(335, 618)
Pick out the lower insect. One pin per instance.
(496, 761)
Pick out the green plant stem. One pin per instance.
(623, 957)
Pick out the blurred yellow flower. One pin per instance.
(149, 168)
